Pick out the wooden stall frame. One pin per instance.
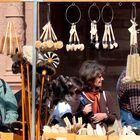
(70, 0)
(34, 69)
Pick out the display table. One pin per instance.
(66, 136)
(9, 136)
(69, 136)
(124, 137)
(87, 137)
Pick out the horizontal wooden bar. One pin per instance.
(70, 0)
(91, 0)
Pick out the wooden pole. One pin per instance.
(40, 104)
(23, 100)
(29, 99)
(34, 71)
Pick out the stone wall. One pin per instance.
(21, 14)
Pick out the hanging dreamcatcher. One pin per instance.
(108, 40)
(48, 39)
(74, 41)
(133, 59)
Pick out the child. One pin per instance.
(66, 92)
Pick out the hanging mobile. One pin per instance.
(74, 41)
(108, 40)
(94, 38)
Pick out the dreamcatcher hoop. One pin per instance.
(89, 12)
(133, 12)
(66, 13)
(112, 13)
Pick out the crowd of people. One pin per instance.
(84, 97)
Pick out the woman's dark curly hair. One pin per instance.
(62, 86)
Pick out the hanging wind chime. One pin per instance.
(74, 41)
(108, 40)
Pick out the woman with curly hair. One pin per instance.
(98, 106)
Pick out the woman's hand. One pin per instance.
(99, 117)
(87, 108)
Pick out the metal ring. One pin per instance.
(120, 3)
(89, 10)
(107, 5)
(73, 5)
(133, 11)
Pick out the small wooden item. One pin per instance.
(9, 136)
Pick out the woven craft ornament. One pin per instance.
(74, 42)
(108, 40)
(52, 58)
(133, 59)
(50, 41)
(94, 38)
(94, 34)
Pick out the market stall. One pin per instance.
(38, 64)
